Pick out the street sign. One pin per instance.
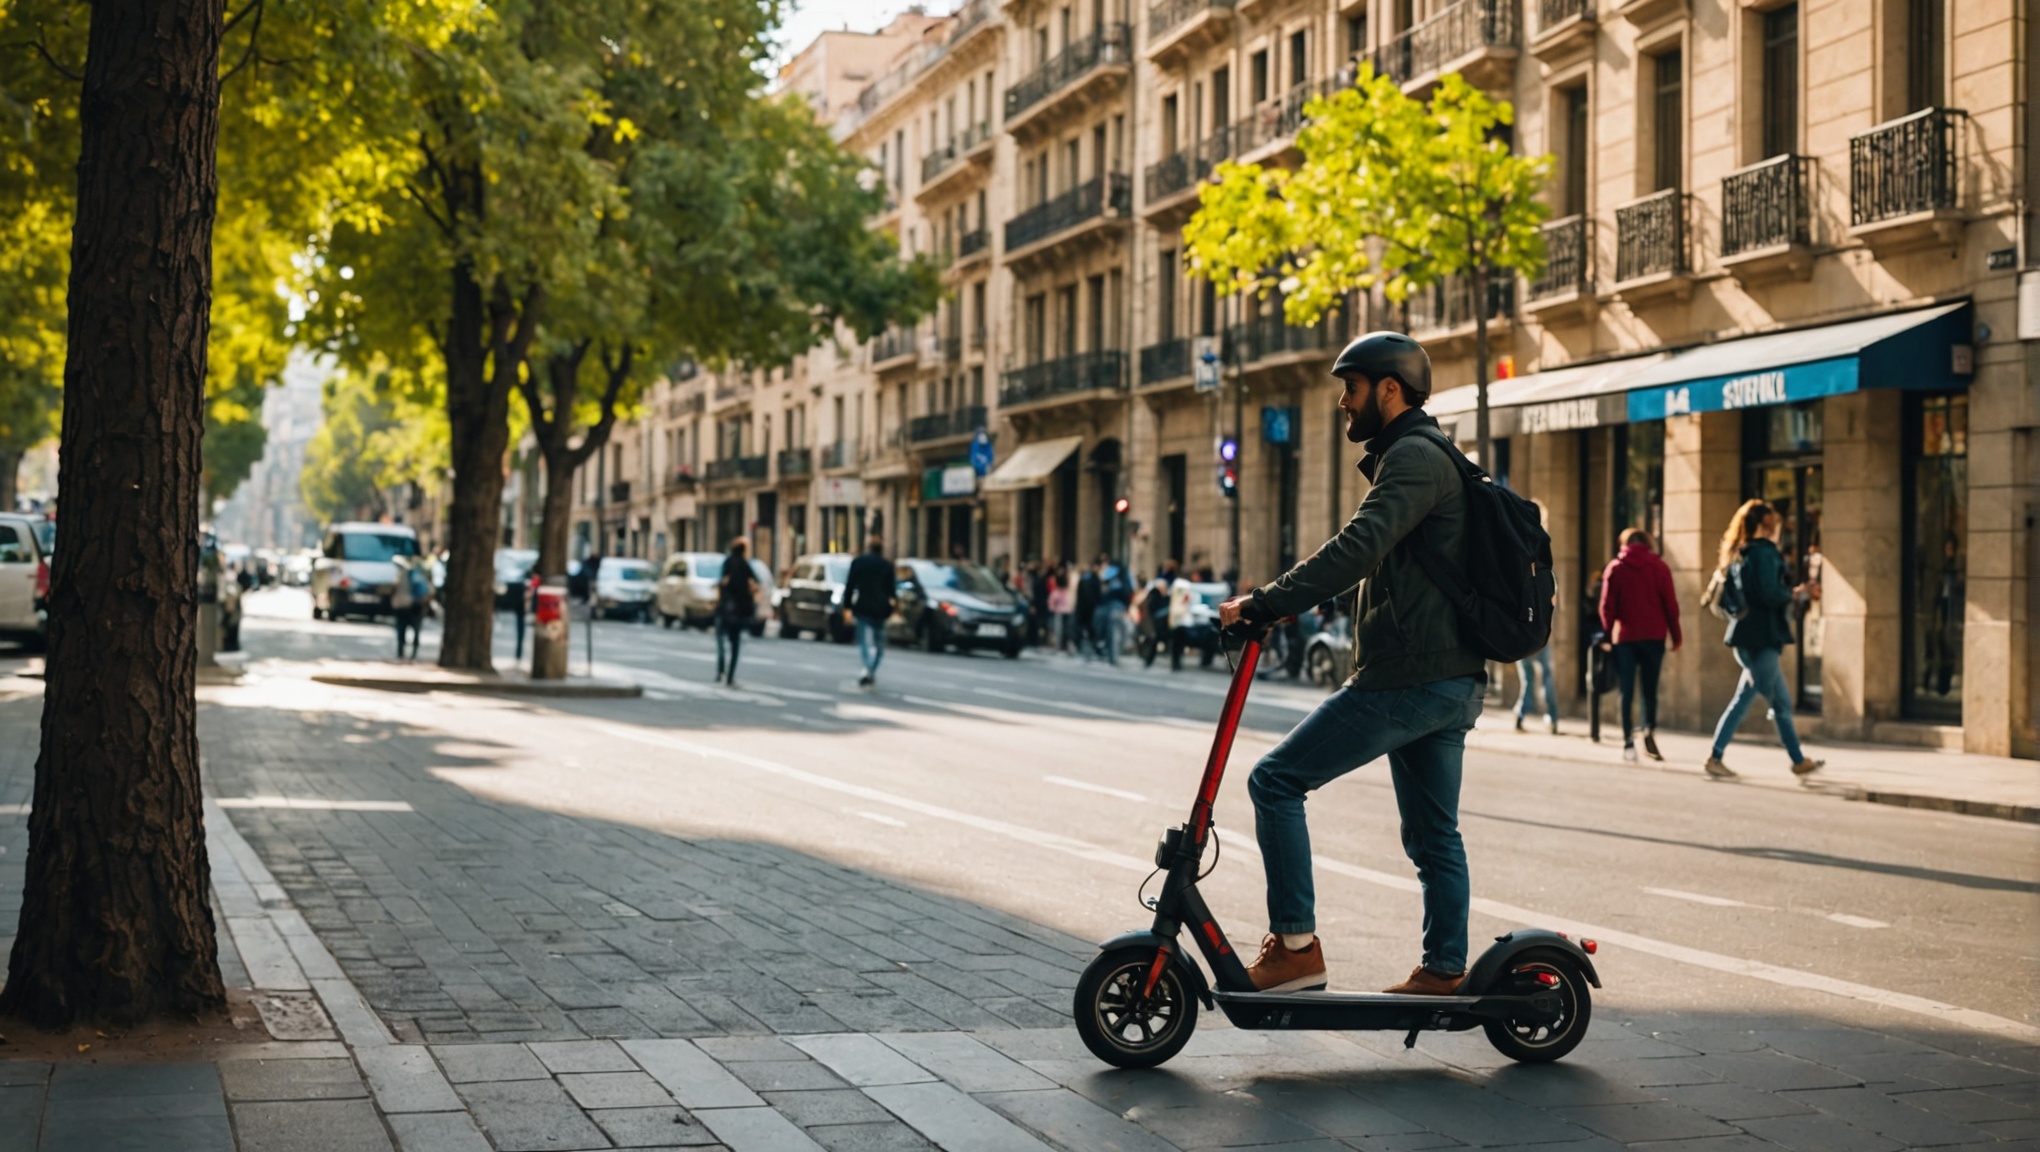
(1278, 425)
(981, 452)
(1204, 362)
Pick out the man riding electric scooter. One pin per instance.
(1416, 687)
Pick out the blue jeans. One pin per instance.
(1761, 676)
(1108, 623)
(1422, 731)
(870, 643)
(729, 641)
(1541, 662)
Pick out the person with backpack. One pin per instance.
(870, 594)
(407, 602)
(1454, 571)
(1750, 591)
(736, 605)
(1639, 610)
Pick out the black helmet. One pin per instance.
(1378, 355)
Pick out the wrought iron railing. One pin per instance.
(1552, 13)
(1767, 204)
(1650, 236)
(1448, 304)
(892, 344)
(1911, 164)
(841, 454)
(681, 479)
(936, 162)
(1165, 17)
(971, 243)
(952, 347)
(946, 425)
(1461, 30)
(796, 461)
(1084, 372)
(973, 137)
(1102, 197)
(738, 468)
(1167, 360)
(1568, 258)
(1107, 44)
(1269, 334)
(1176, 172)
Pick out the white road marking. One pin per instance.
(880, 818)
(1087, 786)
(1856, 921)
(1089, 709)
(1697, 898)
(1697, 957)
(13, 809)
(303, 804)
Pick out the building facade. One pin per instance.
(1785, 261)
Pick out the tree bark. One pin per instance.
(478, 423)
(553, 427)
(10, 475)
(114, 926)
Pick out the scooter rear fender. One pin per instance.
(1193, 976)
(1495, 961)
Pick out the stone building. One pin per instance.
(1786, 254)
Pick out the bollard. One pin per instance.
(549, 633)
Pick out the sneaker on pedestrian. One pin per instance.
(1424, 982)
(1519, 723)
(1650, 746)
(1629, 753)
(1718, 770)
(1278, 969)
(1554, 725)
(1808, 767)
(864, 681)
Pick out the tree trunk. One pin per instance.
(10, 474)
(115, 927)
(478, 420)
(1480, 360)
(556, 512)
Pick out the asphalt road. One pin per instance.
(1038, 786)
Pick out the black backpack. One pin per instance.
(1504, 590)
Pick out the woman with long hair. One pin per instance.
(1749, 555)
(736, 605)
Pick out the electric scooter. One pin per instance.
(1136, 1003)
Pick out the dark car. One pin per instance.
(944, 604)
(814, 597)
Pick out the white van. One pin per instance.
(25, 579)
(356, 570)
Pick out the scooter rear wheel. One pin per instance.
(1541, 1038)
(1121, 1026)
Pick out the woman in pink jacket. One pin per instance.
(1639, 611)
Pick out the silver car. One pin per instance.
(357, 569)
(687, 590)
(624, 588)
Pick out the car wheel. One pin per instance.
(787, 631)
(1010, 651)
(1322, 664)
(930, 642)
(665, 621)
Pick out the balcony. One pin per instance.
(619, 492)
(1184, 170)
(1275, 121)
(960, 424)
(972, 245)
(943, 169)
(893, 348)
(1767, 219)
(1567, 284)
(1905, 182)
(796, 462)
(936, 162)
(1269, 337)
(1562, 26)
(738, 468)
(1168, 360)
(1104, 57)
(1476, 38)
(1178, 28)
(841, 454)
(1651, 254)
(977, 339)
(1102, 199)
(681, 479)
(1067, 378)
(952, 348)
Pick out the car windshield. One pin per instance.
(46, 535)
(958, 578)
(376, 546)
(1213, 594)
(634, 573)
(515, 563)
(706, 568)
(836, 569)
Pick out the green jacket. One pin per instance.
(1405, 632)
(1760, 575)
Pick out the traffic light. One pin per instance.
(1229, 467)
(1121, 505)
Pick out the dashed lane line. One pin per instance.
(1697, 957)
(1100, 789)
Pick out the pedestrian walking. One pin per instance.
(870, 593)
(1115, 595)
(1531, 672)
(736, 605)
(1062, 606)
(1639, 611)
(1154, 614)
(1088, 590)
(1750, 588)
(407, 602)
(1040, 621)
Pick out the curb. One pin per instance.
(505, 686)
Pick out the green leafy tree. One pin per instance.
(1391, 191)
(381, 430)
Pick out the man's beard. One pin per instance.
(1367, 423)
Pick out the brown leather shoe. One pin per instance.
(1277, 969)
(1424, 982)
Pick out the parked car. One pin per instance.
(1200, 628)
(944, 604)
(687, 590)
(357, 570)
(297, 567)
(513, 571)
(625, 588)
(24, 580)
(1328, 653)
(814, 597)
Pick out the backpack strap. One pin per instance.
(1449, 578)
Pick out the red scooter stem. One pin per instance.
(1221, 744)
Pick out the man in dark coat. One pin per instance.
(870, 593)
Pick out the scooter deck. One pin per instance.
(1339, 1011)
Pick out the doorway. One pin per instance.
(1937, 553)
(1782, 467)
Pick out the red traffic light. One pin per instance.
(1121, 505)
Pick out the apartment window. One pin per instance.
(1165, 297)
(1169, 145)
(1207, 320)
(1257, 77)
(1115, 307)
(1926, 33)
(1041, 46)
(1097, 317)
(1356, 34)
(837, 407)
(1099, 154)
(1034, 328)
(1781, 80)
(1573, 102)
(1221, 98)
(977, 386)
(1066, 321)
(899, 150)
(1072, 156)
(1299, 57)
(1069, 24)
(977, 310)
(1668, 120)
(1405, 14)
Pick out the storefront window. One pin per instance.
(1937, 542)
(1641, 501)
(1782, 467)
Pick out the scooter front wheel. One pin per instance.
(1124, 1025)
(1541, 1037)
